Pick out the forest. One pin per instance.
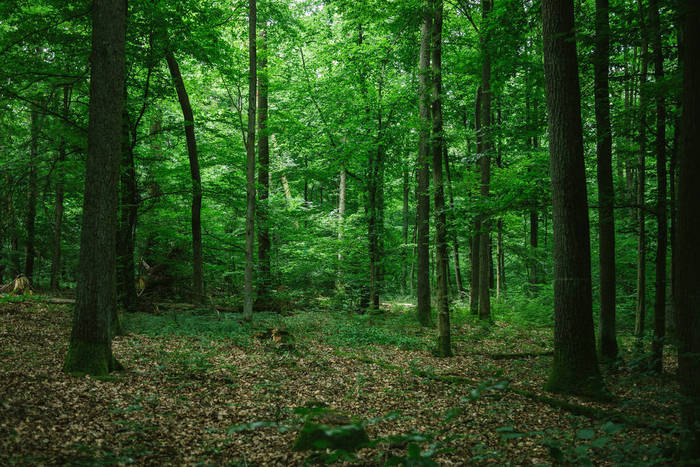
(334, 232)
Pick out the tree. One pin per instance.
(575, 366)
(444, 348)
(607, 343)
(657, 344)
(423, 174)
(90, 348)
(33, 191)
(265, 279)
(250, 163)
(183, 97)
(687, 288)
(58, 209)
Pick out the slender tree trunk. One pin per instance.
(197, 274)
(265, 280)
(500, 260)
(535, 279)
(90, 348)
(641, 184)
(342, 190)
(444, 346)
(485, 257)
(575, 366)
(126, 284)
(58, 209)
(33, 191)
(404, 236)
(607, 343)
(476, 235)
(250, 164)
(657, 344)
(423, 175)
(687, 296)
(455, 237)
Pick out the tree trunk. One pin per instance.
(657, 344)
(33, 194)
(54, 282)
(197, 274)
(444, 346)
(640, 314)
(265, 279)
(485, 167)
(404, 236)
(687, 296)
(607, 344)
(535, 278)
(423, 176)
(500, 260)
(455, 237)
(474, 244)
(575, 366)
(126, 287)
(342, 190)
(250, 164)
(90, 348)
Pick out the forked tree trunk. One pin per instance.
(575, 366)
(197, 269)
(90, 348)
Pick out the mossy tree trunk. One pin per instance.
(90, 348)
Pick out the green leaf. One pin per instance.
(586, 433)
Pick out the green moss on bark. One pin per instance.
(87, 358)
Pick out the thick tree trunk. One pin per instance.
(90, 348)
(197, 274)
(485, 257)
(58, 207)
(575, 366)
(265, 279)
(444, 346)
(607, 343)
(250, 164)
(640, 314)
(423, 176)
(687, 296)
(657, 344)
(33, 191)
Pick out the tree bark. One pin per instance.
(657, 343)
(250, 164)
(265, 279)
(455, 237)
(90, 348)
(687, 296)
(474, 244)
(423, 176)
(197, 268)
(404, 251)
(342, 190)
(607, 343)
(575, 366)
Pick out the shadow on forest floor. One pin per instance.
(190, 378)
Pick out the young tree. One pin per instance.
(58, 207)
(607, 344)
(264, 245)
(423, 174)
(33, 194)
(575, 366)
(90, 348)
(687, 288)
(250, 163)
(183, 97)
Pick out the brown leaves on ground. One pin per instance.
(181, 394)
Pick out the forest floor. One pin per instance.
(196, 386)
